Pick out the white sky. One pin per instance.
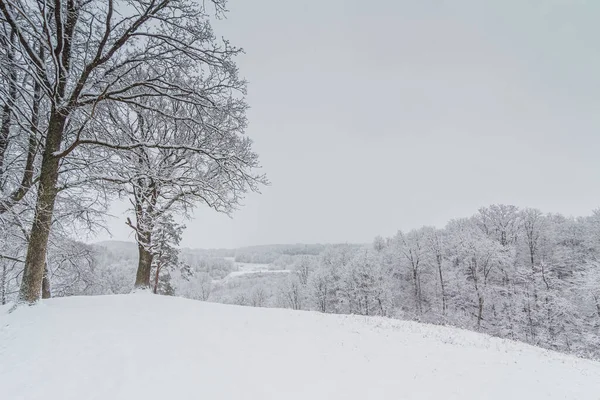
(374, 116)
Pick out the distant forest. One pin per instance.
(514, 273)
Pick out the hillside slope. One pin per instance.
(149, 347)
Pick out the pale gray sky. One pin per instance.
(374, 116)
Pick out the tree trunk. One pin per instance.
(439, 263)
(597, 300)
(9, 102)
(142, 278)
(530, 320)
(417, 290)
(3, 284)
(4, 132)
(46, 292)
(531, 257)
(27, 180)
(480, 312)
(156, 279)
(31, 285)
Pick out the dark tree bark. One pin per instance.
(31, 285)
(417, 283)
(142, 278)
(32, 148)
(438, 258)
(479, 311)
(3, 284)
(156, 275)
(9, 102)
(46, 291)
(145, 194)
(33, 274)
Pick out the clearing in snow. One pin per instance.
(148, 347)
(251, 268)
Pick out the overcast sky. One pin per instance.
(374, 116)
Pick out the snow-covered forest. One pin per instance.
(513, 273)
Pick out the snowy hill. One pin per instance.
(150, 347)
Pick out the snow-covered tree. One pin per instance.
(292, 293)
(98, 53)
(174, 163)
(410, 250)
(500, 222)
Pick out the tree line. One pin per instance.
(518, 274)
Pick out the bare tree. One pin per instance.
(480, 256)
(292, 293)
(69, 269)
(258, 297)
(303, 268)
(187, 158)
(204, 285)
(411, 247)
(20, 129)
(85, 54)
(501, 222)
(533, 224)
(320, 283)
(7, 42)
(435, 245)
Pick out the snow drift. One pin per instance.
(150, 347)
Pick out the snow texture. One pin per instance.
(148, 347)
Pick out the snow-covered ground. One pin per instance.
(148, 347)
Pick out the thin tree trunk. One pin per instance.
(27, 179)
(480, 312)
(156, 279)
(439, 263)
(9, 102)
(549, 323)
(380, 307)
(531, 257)
(46, 292)
(417, 289)
(544, 277)
(31, 284)
(530, 319)
(597, 300)
(3, 284)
